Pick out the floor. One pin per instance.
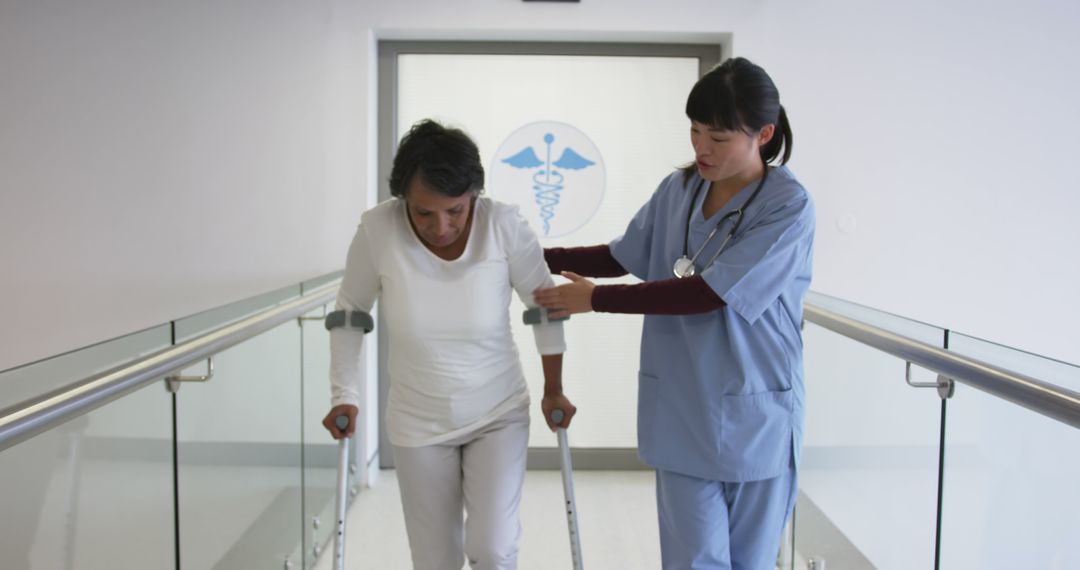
(617, 517)
(247, 514)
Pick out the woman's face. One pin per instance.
(722, 154)
(439, 220)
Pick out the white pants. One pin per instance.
(481, 471)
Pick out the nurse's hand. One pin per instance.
(553, 402)
(567, 299)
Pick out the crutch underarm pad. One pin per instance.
(359, 320)
(539, 315)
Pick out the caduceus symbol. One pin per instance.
(548, 182)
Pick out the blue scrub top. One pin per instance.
(720, 394)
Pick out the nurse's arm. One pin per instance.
(592, 261)
(664, 297)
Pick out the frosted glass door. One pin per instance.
(579, 143)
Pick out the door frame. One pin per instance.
(708, 55)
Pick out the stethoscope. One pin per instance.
(684, 266)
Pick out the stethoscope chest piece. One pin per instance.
(684, 267)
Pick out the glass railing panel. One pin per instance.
(868, 478)
(1048, 370)
(240, 457)
(1011, 495)
(94, 493)
(34, 380)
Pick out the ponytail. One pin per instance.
(780, 141)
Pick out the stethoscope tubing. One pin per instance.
(740, 212)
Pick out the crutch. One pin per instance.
(539, 316)
(342, 423)
(362, 321)
(568, 490)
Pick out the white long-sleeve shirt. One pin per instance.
(453, 364)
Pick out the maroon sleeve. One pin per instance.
(666, 297)
(592, 261)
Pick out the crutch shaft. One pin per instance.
(571, 503)
(342, 499)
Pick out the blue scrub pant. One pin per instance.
(713, 525)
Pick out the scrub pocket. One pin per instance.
(756, 434)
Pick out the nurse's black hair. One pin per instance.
(445, 159)
(738, 95)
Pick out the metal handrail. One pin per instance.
(1047, 399)
(91, 393)
(96, 391)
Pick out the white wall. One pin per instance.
(943, 129)
(160, 158)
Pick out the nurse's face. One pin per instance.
(726, 155)
(439, 220)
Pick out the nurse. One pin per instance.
(724, 250)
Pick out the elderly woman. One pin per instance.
(442, 260)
